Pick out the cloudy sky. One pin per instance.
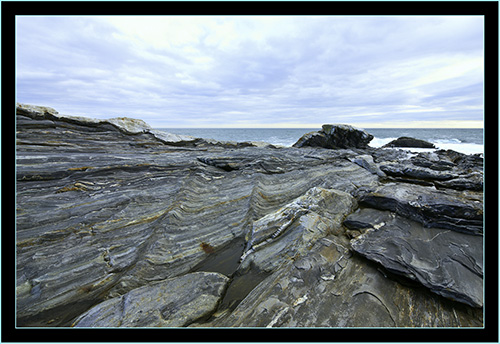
(285, 71)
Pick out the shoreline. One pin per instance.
(225, 134)
(112, 215)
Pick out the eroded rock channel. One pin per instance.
(120, 225)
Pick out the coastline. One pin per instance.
(287, 137)
(109, 210)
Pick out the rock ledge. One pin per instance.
(119, 226)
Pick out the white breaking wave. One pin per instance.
(377, 142)
(447, 141)
(455, 140)
(453, 144)
(466, 148)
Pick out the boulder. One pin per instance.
(416, 172)
(409, 142)
(442, 169)
(174, 302)
(463, 161)
(335, 136)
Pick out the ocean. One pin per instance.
(468, 141)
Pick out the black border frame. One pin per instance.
(488, 9)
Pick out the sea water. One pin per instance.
(468, 141)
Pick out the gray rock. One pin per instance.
(473, 181)
(335, 136)
(102, 211)
(440, 174)
(107, 207)
(450, 209)
(291, 230)
(423, 173)
(432, 161)
(442, 169)
(464, 161)
(366, 218)
(409, 142)
(329, 287)
(447, 262)
(174, 302)
(366, 161)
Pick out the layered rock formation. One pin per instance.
(447, 262)
(122, 225)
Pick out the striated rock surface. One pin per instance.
(289, 232)
(443, 169)
(331, 287)
(335, 136)
(450, 209)
(447, 262)
(112, 216)
(174, 302)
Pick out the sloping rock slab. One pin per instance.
(335, 136)
(366, 218)
(450, 209)
(366, 161)
(439, 170)
(330, 287)
(104, 206)
(291, 230)
(410, 171)
(175, 302)
(448, 263)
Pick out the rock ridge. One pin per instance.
(118, 225)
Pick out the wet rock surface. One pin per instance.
(111, 215)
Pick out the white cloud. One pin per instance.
(159, 32)
(229, 71)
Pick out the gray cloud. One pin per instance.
(253, 71)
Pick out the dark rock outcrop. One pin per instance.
(335, 136)
(441, 169)
(458, 211)
(112, 211)
(409, 142)
(447, 262)
(330, 287)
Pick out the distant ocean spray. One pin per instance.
(469, 141)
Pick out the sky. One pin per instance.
(256, 71)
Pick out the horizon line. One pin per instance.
(315, 128)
